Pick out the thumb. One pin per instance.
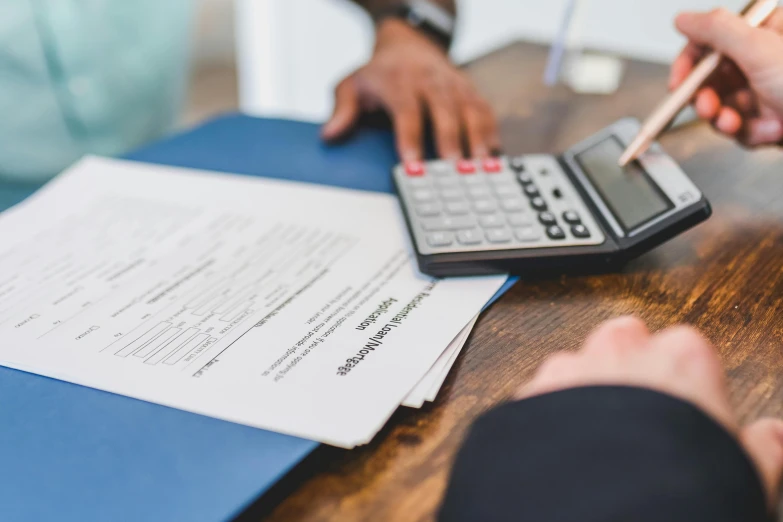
(346, 110)
(729, 34)
(763, 440)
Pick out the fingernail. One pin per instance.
(769, 129)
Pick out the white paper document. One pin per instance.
(286, 306)
(428, 387)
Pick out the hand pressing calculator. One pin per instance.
(539, 213)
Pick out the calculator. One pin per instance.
(525, 215)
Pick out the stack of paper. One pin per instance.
(291, 307)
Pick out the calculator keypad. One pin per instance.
(495, 204)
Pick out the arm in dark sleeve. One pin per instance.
(600, 454)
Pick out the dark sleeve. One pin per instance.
(602, 454)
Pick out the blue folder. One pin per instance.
(70, 453)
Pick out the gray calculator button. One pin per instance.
(512, 205)
(440, 239)
(547, 218)
(571, 217)
(507, 191)
(418, 182)
(423, 195)
(473, 181)
(527, 234)
(555, 232)
(448, 223)
(531, 191)
(440, 169)
(447, 182)
(580, 231)
(469, 237)
(478, 192)
(498, 235)
(428, 210)
(520, 220)
(484, 206)
(502, 178)
(491, 221)
(538, 203)
(458, 208)
(451, 194)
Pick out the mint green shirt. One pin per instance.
(87, 76)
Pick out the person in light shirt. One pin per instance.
(105, 76)
(637, 426)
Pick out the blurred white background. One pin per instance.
(289, 54)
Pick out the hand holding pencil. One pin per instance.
(744, 98)
(733, 69)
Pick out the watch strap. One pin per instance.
(425, 16)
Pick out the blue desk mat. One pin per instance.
(70, 453)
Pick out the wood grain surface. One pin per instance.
(723, 276)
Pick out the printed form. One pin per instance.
(291, 307)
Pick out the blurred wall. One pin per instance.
(292, 52)
(213, 39)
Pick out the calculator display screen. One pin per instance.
(628, 192)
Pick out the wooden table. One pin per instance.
(724, 276)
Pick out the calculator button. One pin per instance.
(451, 194)
(555, 232)
(440, 169)
(525, 178)
(449, 223)
(414, 168)
(447, 182)
(512, 205)
(473, 181)
(492, 165)
(469, 237)
(466, 167)
(484, 206)
(478, 192)
(457, 208)
(503, 178)
(571, 217)
(547, 218)
(527, 234)
(440, 239)
(517, 164)
(491, 221)
(498, 235)
(538, 203)
(580, 231)
(428, 210)
(423, 195)
(520, 220)
(507, 191)
(531, 191)
(418, 183)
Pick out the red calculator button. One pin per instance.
(492, 165)
(414, 168)
(466, 167)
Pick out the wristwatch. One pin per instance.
(425, 16)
